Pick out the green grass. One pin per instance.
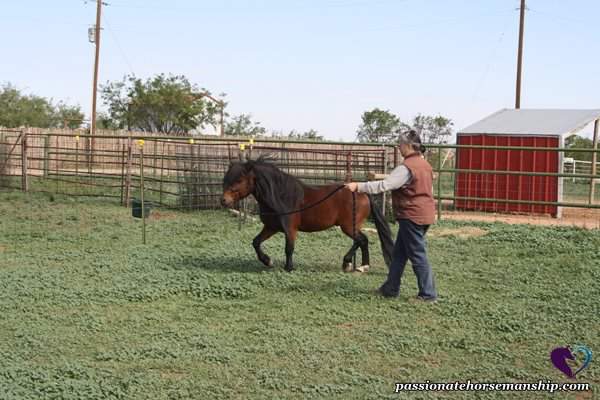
(87, 312)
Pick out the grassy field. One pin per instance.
(87, 312)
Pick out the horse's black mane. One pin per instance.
(275, 189)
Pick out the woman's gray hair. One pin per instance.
(411, 138)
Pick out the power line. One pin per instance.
(292, 6)
(123, 54)
(491, 59)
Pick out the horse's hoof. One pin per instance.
(267, 262)
(347, 267)
(363, 268)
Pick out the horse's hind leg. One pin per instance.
(261, 237)
(290, 240)
(361, 241)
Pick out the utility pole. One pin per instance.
(97, 43)
(520, 56)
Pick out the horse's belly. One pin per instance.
(316, 223)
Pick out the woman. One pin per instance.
(412, 200)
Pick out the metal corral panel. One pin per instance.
(502, 186)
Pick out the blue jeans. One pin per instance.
(410, 245)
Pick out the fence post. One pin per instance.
(77, 158)
(24, 183)
(128, 177)
(348, 167)
(439, 183)
(191, 176)
(141, 144)
(122, 173)
(90, 158)
(162, 168)
(155, 144)
(242, 156)
(594, 159)
(383, 196)
(3, 159)
(46, 161)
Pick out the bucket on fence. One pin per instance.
(136, 208)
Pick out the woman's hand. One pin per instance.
(352, 186)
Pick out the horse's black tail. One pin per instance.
(383, 230)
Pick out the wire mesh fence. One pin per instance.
(187, 173)
(179, 172)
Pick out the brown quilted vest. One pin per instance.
(414, 201)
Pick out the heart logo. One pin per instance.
(562, 357)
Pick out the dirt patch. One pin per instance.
(2, 248)
(583, 218)
(584, 395)
(462, 233)
(162, 215)
(432, 362)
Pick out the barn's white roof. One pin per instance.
(529, 122)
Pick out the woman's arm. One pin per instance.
(399, 177)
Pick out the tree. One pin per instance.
(104, 121)
(379, 126)
(242, 125)
(579, 142)
(432, 129)
(164, 103)
(310, 134)
(18, 109)
(71, 116)
(383, 126)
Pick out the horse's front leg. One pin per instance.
(290, 240)
(261, 237)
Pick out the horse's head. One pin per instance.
(238, 182)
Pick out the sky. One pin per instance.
(315, 64)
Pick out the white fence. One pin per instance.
(573, 166)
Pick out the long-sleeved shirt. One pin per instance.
(399, 177)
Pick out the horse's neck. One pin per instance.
(263, 204)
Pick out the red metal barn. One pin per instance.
(518, 128)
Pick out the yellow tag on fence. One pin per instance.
(141, 142)
(77, 138)
(251, 141)
(191, 141)
(242, 147)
